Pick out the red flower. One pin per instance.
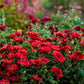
(2, 5)
(2, 56)
(67, 32)
(77, 28)
(43, 22)
(67, 48)
(34, 20)
(56, 48)
(29, 27)
(2, 27)
(20, 55)
(37, 78)
(12, 68)
(44, 60)
(82, 29)
(7, 61)
(30, 16)
(12, 35)
(79, 55)
(50, 27)
(72, 58)
(58, 56)
(33, 33)
(18, 39)
(46, 18)
(32, 62)
(4, 81)
(82, 43)
(23, 62)
(35, 37)
(5, 75)
(75, 35)
(57, 72)
(36, 43)
(1, 44)
(61, 34)
(18, 33)
(44, 49)
(38, 62)
(15, 79)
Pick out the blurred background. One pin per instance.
(16, 11)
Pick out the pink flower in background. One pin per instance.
(7, 2)
(79, 12)
(60, 7)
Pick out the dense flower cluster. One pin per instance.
(32, 57)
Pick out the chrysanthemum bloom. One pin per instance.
(57, 72)
(34, 20)
(50, 27)
(29, 27)
(58, 57)
(67, 48)
(34, 37)
(18, 39)
(56, 47)
(12, 35)
(43, 22)
(33, 33)
(18, 33)
(44, 49)
(75, 35)
(7, 61)
(46, 18)
(38, 62)
(82, 29)
(1, 44)
(44, 60)
(77, 28)
(61, 34)
(5, 75)
(2, 5)
(78, 54)
(12, 68)
(30, 16)
(23, 62)
(2, 27)
(82, 43)
(72, 58)
(67, 32)
(32, 62)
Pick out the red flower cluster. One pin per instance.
(58, 56)
(75, 56)
(4, 82)
(38, 62)
(78, 28)
(12, 53)
(44, 49)
(32, 19)
(57, 72)
(16, 38)
(75, 35)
